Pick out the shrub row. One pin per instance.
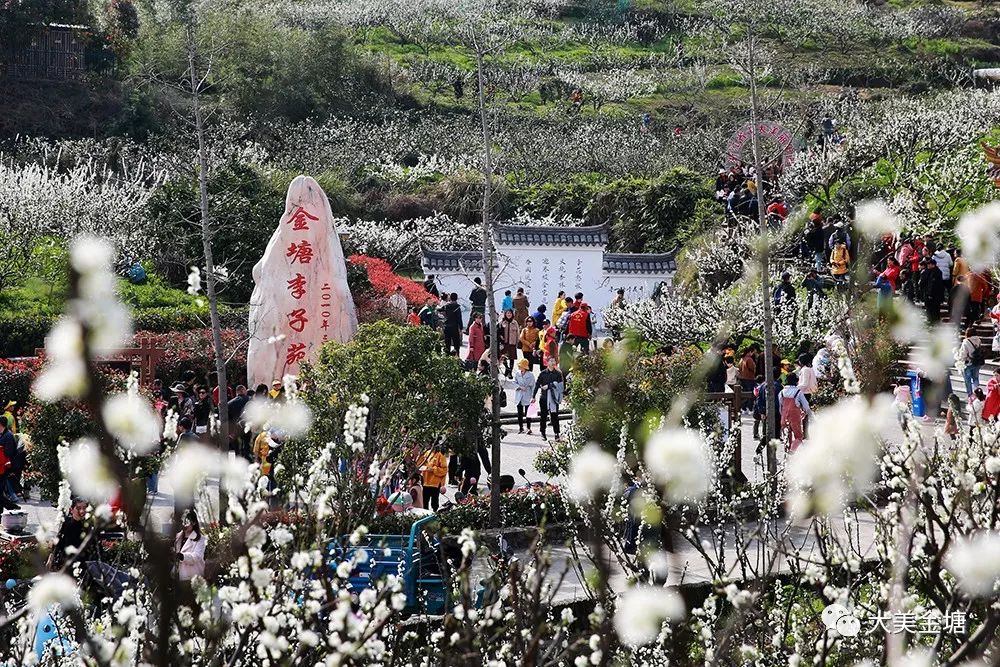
(21, 335)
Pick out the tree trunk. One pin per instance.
(206, 244)
(491, 312)
(765, 278)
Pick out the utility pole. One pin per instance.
(491, 311)
(765, 278)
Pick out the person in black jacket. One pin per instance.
(815, 243)
(71, 536)
(932, 289)
(452, 325)
(716, 381)
(431, 287)
(784, 293)
(550, 384)
(478, 300)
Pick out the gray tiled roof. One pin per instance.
(564, 236)
(452, 260)
(639, 263)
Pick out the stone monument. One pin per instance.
(300, 298)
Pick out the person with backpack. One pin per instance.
(581, 327)
(970, 352)
(760, 409)
(794, 410)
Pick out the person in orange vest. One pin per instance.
(581, 327)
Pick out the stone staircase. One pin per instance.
(984, 329)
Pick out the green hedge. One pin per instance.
(21, 335)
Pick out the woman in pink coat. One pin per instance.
(477, 343)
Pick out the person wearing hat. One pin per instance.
(182, 401)
(524, 385)
(277, 390)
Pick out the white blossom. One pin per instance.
(840, 457)
(53, 589)
(194, 281)
(591, 471)
(640, 613)
(89, 475)
(188, 468)
(874, 219)
(680, 462)
(975, 562)
(979, 232)
(132, 422)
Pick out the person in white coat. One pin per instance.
(189, 548)
(524, 385)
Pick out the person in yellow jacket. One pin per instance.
(840, 260)
(8, 412)
(529, 341)
(559, 307)
(433, 465)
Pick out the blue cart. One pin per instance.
(415, 558)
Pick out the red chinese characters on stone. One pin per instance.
(297, 320)
(325, 309)
(301, 252)
(297, 286)
(296, 353)
(300, 219)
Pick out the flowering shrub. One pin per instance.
(384, 281)
(16, 379)
(650, 381)
(50, 425)
(15, 560)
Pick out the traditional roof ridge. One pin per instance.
(566, 235)
(443, 260)
(624, 262)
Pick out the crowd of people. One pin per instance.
(536, 348)
(794, 382)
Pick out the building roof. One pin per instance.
(452, 260)
(640, 263)
(551, 236)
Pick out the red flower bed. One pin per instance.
(384, 280)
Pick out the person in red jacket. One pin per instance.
(477, 341)
(991, 408)
(891, 273)
(581, 327)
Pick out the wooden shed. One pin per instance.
(55, 53)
